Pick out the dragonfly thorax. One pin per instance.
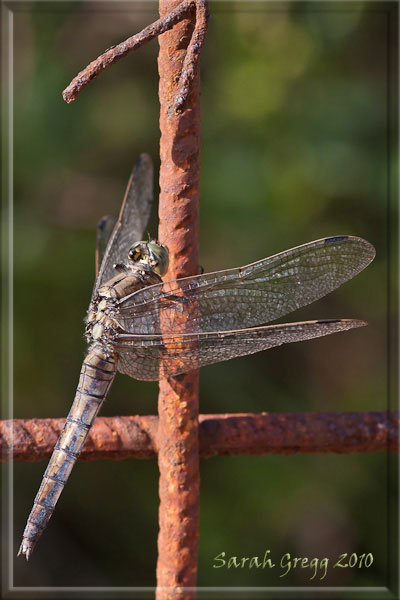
(151, 254)
(101, 325)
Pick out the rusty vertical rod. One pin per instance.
(178, 398)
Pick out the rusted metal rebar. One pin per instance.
(190, 65)
(220, 435)
(178, 456)
(115, 53)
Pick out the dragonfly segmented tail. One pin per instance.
(97, 374)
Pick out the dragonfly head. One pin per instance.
(152, 254)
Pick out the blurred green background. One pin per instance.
(294, 148)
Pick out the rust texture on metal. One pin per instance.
(178, 455)
(115, 53)
(118, 438)
(292, 433)
(109, 437)
(190, 65)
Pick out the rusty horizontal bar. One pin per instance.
(220, 435)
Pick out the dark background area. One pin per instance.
(294, 148)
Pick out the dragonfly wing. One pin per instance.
(250, 295)
(132, 220)
(104, 230)
(141, 357)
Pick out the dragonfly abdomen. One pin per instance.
(97, 373)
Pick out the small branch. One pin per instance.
(115, 53)
(192, 58)
(220, 435)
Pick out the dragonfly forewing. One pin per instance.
(132, 220)
(251, 295)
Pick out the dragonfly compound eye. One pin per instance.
(159, 257)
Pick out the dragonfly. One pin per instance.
(143, 326)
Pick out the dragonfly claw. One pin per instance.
(25, 548)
